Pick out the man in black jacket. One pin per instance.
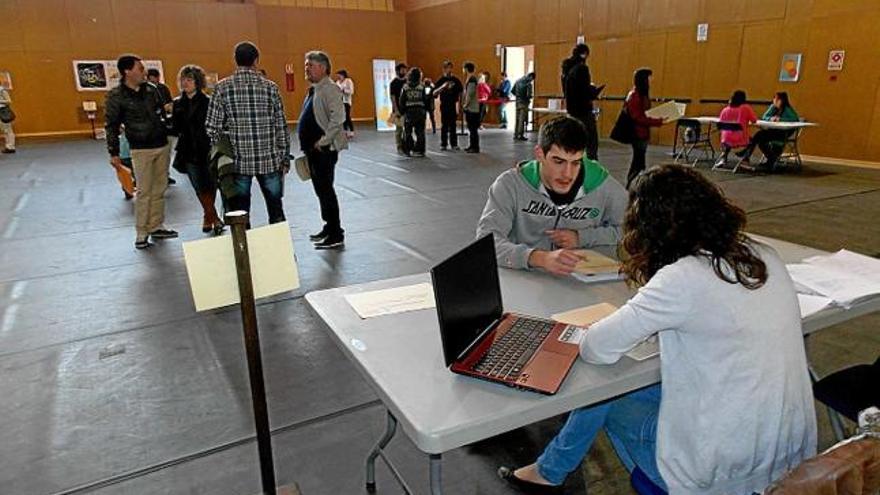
(138, 105)
(449, 88)
(579, 95)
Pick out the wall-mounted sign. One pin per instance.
(791, 67)
(702, 32)
(5, 80)
(580, 40)
(835, 60)
(383, 74)
(101, 75)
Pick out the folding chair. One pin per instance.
(848, 391)
(719, 165)
(692, 138)
(790, 153)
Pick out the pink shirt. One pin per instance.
(484, 91)
(744, 115)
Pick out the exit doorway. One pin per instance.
(517, 62)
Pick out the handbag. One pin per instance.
(624, 130)
(6, 114)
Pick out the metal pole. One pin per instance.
(238, 221)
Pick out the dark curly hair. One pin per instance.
(676, 212)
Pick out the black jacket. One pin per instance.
(141, 112)
(188, 119)
(579, 92)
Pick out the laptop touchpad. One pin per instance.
(546, 370)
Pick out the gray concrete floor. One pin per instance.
(113, 384)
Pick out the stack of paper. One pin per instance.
(392, 301)
(595, 267)
(843, 277)
(669, 111)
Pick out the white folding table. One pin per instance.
(400, 356)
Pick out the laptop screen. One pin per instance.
(468, 295)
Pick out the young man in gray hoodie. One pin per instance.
(544, 209)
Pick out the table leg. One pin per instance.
(390, 428)
(436, 486)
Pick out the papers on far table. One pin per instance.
(811, 304)
(595, 267)
(390, 301)
(669, 111)
(844, 277)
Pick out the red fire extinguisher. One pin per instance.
(289, 80)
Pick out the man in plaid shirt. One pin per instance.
(247, 108)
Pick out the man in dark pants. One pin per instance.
(449, 89)
(579, 95)
(394, 90)
(471, 107)
(321, 138)
(246, 107)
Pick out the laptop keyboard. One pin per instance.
(512, 351)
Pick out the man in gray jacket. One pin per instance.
(321, 139)
(544, 209)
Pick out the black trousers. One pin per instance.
(637, 165)
(414, 123)
(767, 140)
(589, 121)
(433, 123)
(473, 125)
(322, 167)
(348, 125)
(448, 120)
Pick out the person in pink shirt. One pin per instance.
(484, 92)
(737, 110)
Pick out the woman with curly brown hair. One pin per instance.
(735, 408)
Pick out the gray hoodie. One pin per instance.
(519, 210)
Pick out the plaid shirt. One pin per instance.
(247, 107)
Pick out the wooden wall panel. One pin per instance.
(546, 17)
(681, 64)
(92, 24)
(571, 14)
(721, 54)
(144, 35)
(759, 60)
(46, 25)
(622, 17)
(12, 35)
(596, 18)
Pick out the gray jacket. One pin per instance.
(519, 210)
(330, 114)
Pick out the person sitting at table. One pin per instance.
(738, 111)
(734, 410)
(544, 209)
(771, 141)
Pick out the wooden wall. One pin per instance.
(747, 39)
(40, 38)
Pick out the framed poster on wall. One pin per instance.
(101, 75)
(791, 67)
(383, 74)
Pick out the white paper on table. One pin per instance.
(391, 301)
(210, 265)
(844, 277)
(811, 304)
(669, 111)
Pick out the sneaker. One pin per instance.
(456, 148)
(163, 234)
(331, 243)
(8, 150)
(471, 150)
(721, 162)
(443, 148)
(419, 154)
(142, 244)
(320, 236)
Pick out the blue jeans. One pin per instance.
(630, 422)
(272, 186)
